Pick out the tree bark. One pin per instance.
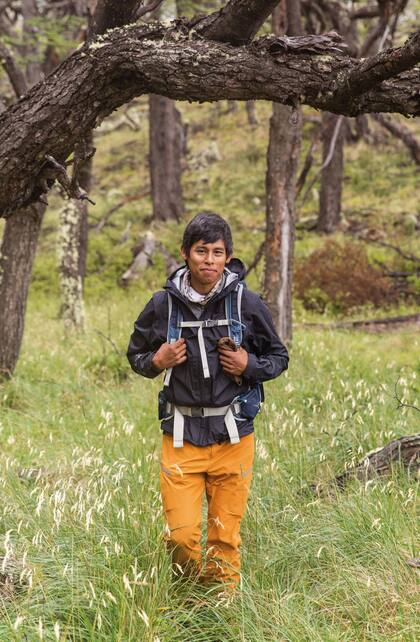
(282, 159)
(85, 181)
(17, 255)
(20, 235)
(72, 307)
(333, 137)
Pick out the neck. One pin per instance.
(199, 287)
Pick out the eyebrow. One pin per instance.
(204, 247)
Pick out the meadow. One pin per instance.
(82, 551)
(81, 517)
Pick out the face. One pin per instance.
(206, 262)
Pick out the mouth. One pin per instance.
(207, 270)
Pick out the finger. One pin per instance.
(180, 360)
(181, 352)
(229, 371)
(228, 366)
(226, 360)
(179, 341)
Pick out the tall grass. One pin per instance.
(81, 516)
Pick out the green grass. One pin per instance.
(90, 527)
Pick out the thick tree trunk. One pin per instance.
(17, 255)
(70, 223)
(165, 153)
(333, 137)
(72, 245)
(20, 235)
(282, 159)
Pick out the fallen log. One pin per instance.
(378, 463)
(362, 323)
(143, 253)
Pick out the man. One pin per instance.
(212, 391)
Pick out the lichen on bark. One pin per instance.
(71, 285)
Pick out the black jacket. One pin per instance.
(267, 356)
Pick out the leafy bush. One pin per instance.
(340, 277)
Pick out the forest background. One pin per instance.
(81, 522)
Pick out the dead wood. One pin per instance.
(402, 133)
(362, 324)
(143, 253)
(404, 451)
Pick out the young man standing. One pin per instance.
(212, 391)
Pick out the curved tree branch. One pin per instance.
(372, 71)
(133, 60)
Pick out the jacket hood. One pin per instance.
(234, 272)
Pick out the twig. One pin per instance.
(134, 197)
(104, 336)
(257, 258)
(307, 164)
(408, 257)
(151, 6)
(401, 404)
(328, 159)
(57, 171)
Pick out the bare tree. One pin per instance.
(341, 18)
(20, 236)
(333, 138)
(165, 158)
(282, 158)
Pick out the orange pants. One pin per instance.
(224, 472)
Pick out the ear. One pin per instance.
(184, 254)
(228, 258)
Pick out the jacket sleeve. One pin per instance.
(269, 357)
(145, 341)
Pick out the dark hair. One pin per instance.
(209, 227)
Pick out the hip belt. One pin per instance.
(180, 412)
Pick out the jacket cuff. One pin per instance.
(250, 371)
(151, 366)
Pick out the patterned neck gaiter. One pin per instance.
(195, 297)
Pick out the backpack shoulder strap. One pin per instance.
(233, 310)
(174, 328)
(174, 318)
